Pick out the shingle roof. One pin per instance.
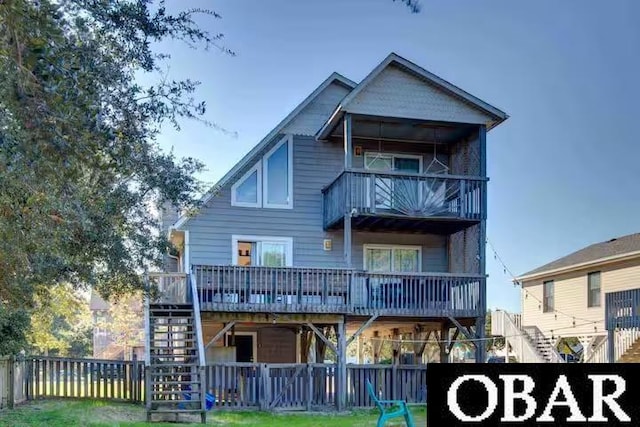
(617, 246)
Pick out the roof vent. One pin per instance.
(613, 240)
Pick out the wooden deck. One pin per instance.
(432, 203)
(338, 291)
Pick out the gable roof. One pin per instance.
(611, 250)
(393, 59)
(334, 77)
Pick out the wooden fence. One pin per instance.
(84, 378)
(12, 382)
(258, 386)
(313, 386)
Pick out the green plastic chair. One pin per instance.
(390, 408)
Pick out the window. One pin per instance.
(262, 250)
(269, 183)
(388, 258)
(593, 289)
(245, 192)
(547, 303)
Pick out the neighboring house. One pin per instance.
(362, 212)
(104, 346)
(566, 297)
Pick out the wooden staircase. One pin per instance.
(175, 377)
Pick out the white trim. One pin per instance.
(187, 253)
(288, 139)
(258, 171)
(275, 239)
(367, 246)
(579, 266)
(267, 139)
(298, 344)
(254, 335)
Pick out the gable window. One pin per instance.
(547, 303)
(269, 184)
(246, 191)
(392, 258)
(593, 289)
(262, 251)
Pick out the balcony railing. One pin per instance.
(404, 195)
(339, 291)
(622, 309)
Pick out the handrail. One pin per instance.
(406, 174)
(197, 320)
(518, 339)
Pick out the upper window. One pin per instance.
(593, 289)
(387, 258)
(547, 303)
(269, 183)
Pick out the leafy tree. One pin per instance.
(79, 164)
(125, 322)
(60, 322)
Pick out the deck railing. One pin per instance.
(341, 291)
(404, 195)
(170, 287)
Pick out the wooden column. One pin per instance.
(376, 346)
(444, 336)
(341, 333)
(396, 346)
(481, 344)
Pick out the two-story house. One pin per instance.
(587, 295)
(361, 214)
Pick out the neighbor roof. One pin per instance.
(610, 250)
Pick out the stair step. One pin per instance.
(174, 411)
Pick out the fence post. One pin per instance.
(11, 381)
(309, 386)
(265, 387)
(394, 382)
(132, 378)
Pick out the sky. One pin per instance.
(564, 168)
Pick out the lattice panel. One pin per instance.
(464, 251)
(465, 158)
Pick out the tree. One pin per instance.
(59, 321)
(125, 323)
(79, 164)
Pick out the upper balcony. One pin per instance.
(398, 201)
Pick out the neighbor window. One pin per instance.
(547, 304)
(593, 289)
(269, 183)
(262, 251)
(386, 258)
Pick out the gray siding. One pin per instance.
(315, 165)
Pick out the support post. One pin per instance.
(482, 241)
(376, 345)
(396, 346)
(444, 336)
(342, 365)
(611, 346)
(348, 156)
(481, 345)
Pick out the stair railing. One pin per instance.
(600, 353)
(516, 337)
(202, 363)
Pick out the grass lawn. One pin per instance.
(68, 413)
